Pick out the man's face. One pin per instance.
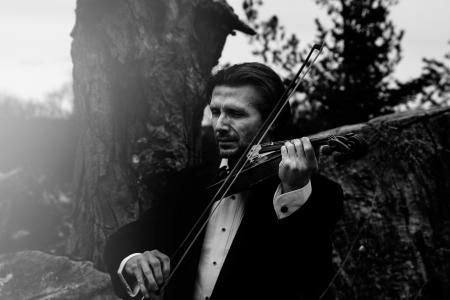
(235, 118)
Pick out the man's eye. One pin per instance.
(236, 114)
(215, 112)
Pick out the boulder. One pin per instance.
(393, 241)
(38, 276)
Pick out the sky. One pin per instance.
(35, 39)
(35, 46)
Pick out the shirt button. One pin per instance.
(206, 298)
(214, 263)
(284, 209)
(233, 197)
(223, 229)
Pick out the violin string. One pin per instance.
(277, 145)
(260, 135)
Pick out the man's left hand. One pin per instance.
(298, 163)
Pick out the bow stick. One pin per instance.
(240, 164)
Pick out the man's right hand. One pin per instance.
(150, 269)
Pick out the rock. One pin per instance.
(34, 212)
(37, 275)
(393, 241)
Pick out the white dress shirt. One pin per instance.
(220, 232)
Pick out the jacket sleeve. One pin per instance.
(322, 210)
(161, 227)
(134, 237)
(306, 235)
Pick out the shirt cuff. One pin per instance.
(134, 290)
(288, 203)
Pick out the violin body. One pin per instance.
(251, 175)
(263, 161)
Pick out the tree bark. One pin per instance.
(394, 239)
(140, 69)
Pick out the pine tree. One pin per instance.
(430, 89)
(351, 82)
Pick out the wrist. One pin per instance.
(286, 188)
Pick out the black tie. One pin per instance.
(222, 173)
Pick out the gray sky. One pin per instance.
(35, 38)
(426, 25)
(35, 46)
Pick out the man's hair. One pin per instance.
(268, 84)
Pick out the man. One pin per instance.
(268, 242)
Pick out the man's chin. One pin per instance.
(228, 153)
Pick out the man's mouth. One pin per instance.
(226, 142)
(225, 138)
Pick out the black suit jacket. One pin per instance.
(269, 258)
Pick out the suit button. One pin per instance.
(284, 209)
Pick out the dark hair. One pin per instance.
(267, 83)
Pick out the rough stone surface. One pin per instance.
(394, 239)
(36, 275)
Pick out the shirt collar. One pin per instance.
(224, 163)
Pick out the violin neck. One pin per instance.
(275, 146)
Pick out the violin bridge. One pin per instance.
(253, 154)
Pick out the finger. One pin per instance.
(284, 154)
(165, 263)
(290, 150)
(155, 265)
(140, 280)
(325, 150)
(299, 149)
(320, 153)
(151, 283)
(309, 153)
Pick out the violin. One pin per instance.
(263, 159)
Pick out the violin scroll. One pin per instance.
(350, 145)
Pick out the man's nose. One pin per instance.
(222, 122)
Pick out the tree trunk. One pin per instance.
(396, 224)
(140, 69)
